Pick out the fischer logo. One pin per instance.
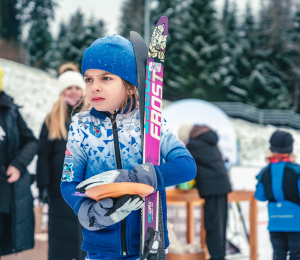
(150, 211)
(68, 154)
(153, 101)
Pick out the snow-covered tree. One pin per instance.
(71, 40)
(94, 29)
(75, 37)
(176, 33)
(236, 48)
(193, 56)
(10, 21)
(132, 18)
(271, 80)
(294, 51)
(39, 41)
(202, 53)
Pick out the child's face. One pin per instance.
(104, 91)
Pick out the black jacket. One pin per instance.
(20, 148)
(212, 177)
(63, 227)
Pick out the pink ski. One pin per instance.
(152, 213)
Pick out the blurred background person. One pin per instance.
(279, 183)
(212, 182)
(17, 149)
(63, 227)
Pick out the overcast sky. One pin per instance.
(110, 11)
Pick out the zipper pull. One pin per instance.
(113, 117)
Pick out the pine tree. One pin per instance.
(235, 49)
(71, 43)
(95, 29)
(75, 37)
(39, 41)
(9, 22)
(132, 17)
(294, 51)
(248, 37)
(10, 30)
(197, 52)
(249, 24)
(176, 34)
(271, 80)
(39, 44)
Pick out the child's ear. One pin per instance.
(131, 91)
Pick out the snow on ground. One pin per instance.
(254, 141)
(33, 89)
(243, 178)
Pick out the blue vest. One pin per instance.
(284, 215)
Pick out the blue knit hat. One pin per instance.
(113, 54)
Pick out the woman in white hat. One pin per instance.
(63, 227)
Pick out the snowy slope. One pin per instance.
(254, 141)
(33, 89)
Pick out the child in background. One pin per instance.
(106, 141)
(279, 183)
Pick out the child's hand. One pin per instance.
(108, 211)
(143, 173)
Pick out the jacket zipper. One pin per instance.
(119, 166)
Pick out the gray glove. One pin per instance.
(142, 173)
(98, 215)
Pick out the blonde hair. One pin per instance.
(56, 120)
(129, 98)
(69, 66)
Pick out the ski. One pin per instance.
(152, 228)
(141, 55)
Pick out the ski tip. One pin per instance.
(163, 20)
(134, 34)
(137, 41)
(164, 17)
(163, 25)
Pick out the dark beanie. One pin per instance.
(281, 142)
(113, 54)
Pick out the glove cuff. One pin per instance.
(144, 173)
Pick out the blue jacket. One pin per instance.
(279, 183)
(92, 148)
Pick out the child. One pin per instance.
(279, 183)
(106, 139)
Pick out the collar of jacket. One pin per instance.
(103, 115)
(5, 100)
